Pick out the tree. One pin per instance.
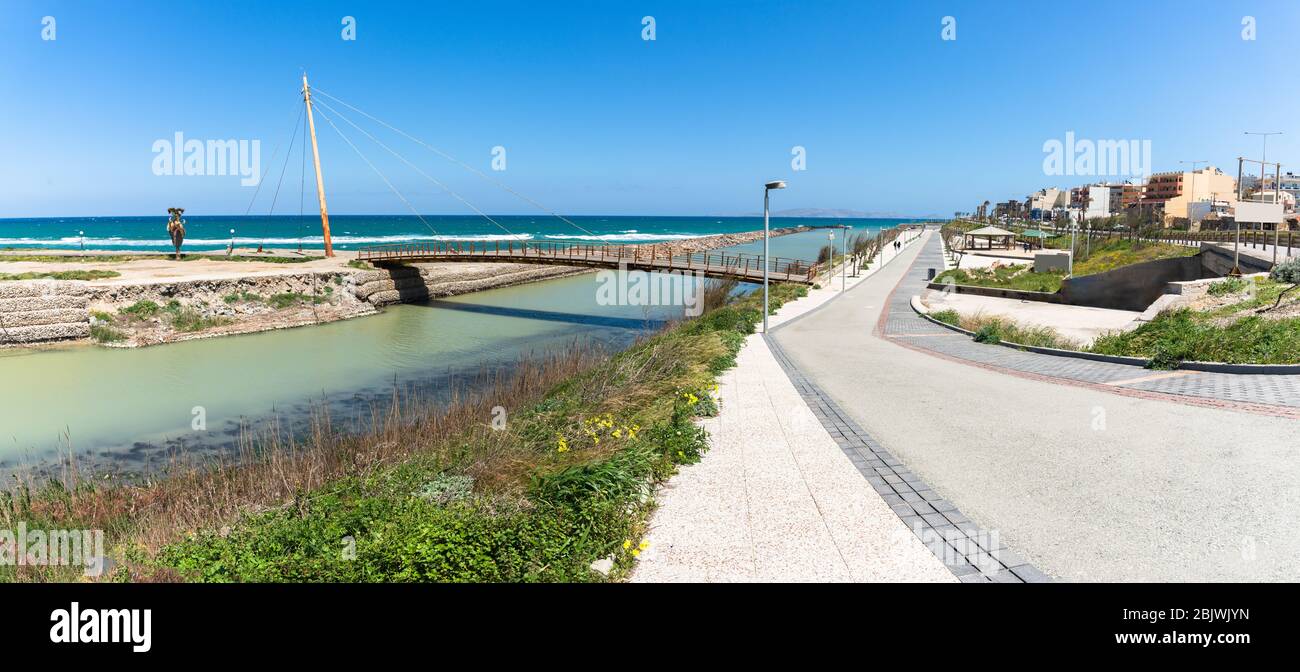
(176, 229)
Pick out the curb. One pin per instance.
(1209, 367)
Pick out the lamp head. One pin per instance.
(775, 184)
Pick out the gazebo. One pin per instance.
(1037, 237)
(1005, 239)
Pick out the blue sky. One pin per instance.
(596, 120)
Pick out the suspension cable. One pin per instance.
(453, 159)
(276, 197)
(380, 174)
(417, 169)
(274, 152)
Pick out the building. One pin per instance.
(1290, 185)
(1046, 204)
(1099, 201)
(1171, 195)
(1009, 210)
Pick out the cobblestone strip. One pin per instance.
(972, 554)
(1265, 394)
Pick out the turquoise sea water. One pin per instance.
(352, 231)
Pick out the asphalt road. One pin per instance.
(1087, 485)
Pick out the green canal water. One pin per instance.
(132, 408)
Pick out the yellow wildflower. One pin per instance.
(627, 543)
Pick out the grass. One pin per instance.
(181, 318)
(430, 492)
(1232, 333)
(122, 258)
(1117, 253)
(1019, 277)
(243, 297)
(60, 275)
(103, 333)
(993, 329)
(360, 265)
(291, 299)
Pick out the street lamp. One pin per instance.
(83, 240)
(767, 188)
(232, 243)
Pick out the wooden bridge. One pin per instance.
(743, 267)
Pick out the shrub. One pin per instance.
(1287, 271)
(948, 316)
(141, 310)
(103, 333)
(989, 333)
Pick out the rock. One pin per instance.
(603, 566)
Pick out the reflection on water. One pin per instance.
(123, 406)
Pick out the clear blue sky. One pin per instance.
(597, 121)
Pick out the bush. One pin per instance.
(989, 333)
(141, 310)
(948, 316)
(103, 333)
(1287, 271)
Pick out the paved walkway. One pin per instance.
(1267, 394)
(1082, 482)
(776, 498)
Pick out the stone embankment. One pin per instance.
(33, 312)
(43, 310)
(404, 284)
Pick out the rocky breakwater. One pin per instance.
(43, 310)
(138, 314)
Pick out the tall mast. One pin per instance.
(320, 183)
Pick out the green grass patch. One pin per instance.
(123, 258)
(1108, 256)
(1016, 276)
(291, 299)
(61, 275)
(104, 333)
(243, 297)
(141, 310)
(1183, 335)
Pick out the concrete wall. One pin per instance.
(42, 310)
(1131, 287)
(1217, 259)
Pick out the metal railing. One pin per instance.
(749, 266)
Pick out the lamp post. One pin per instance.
(844, 259)
(767, 188)
(83, 240)
(232, 243)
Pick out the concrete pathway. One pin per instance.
(775, 498)
(1086, 483)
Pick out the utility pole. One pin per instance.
(320, 182)
(1191, 197)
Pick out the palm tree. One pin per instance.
(176, 229)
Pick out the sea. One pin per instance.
(215, 232)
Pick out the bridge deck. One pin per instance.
(743, 267)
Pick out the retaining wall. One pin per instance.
(43, 310)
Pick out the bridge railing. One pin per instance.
(651, 255)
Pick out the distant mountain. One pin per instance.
(836, 213)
